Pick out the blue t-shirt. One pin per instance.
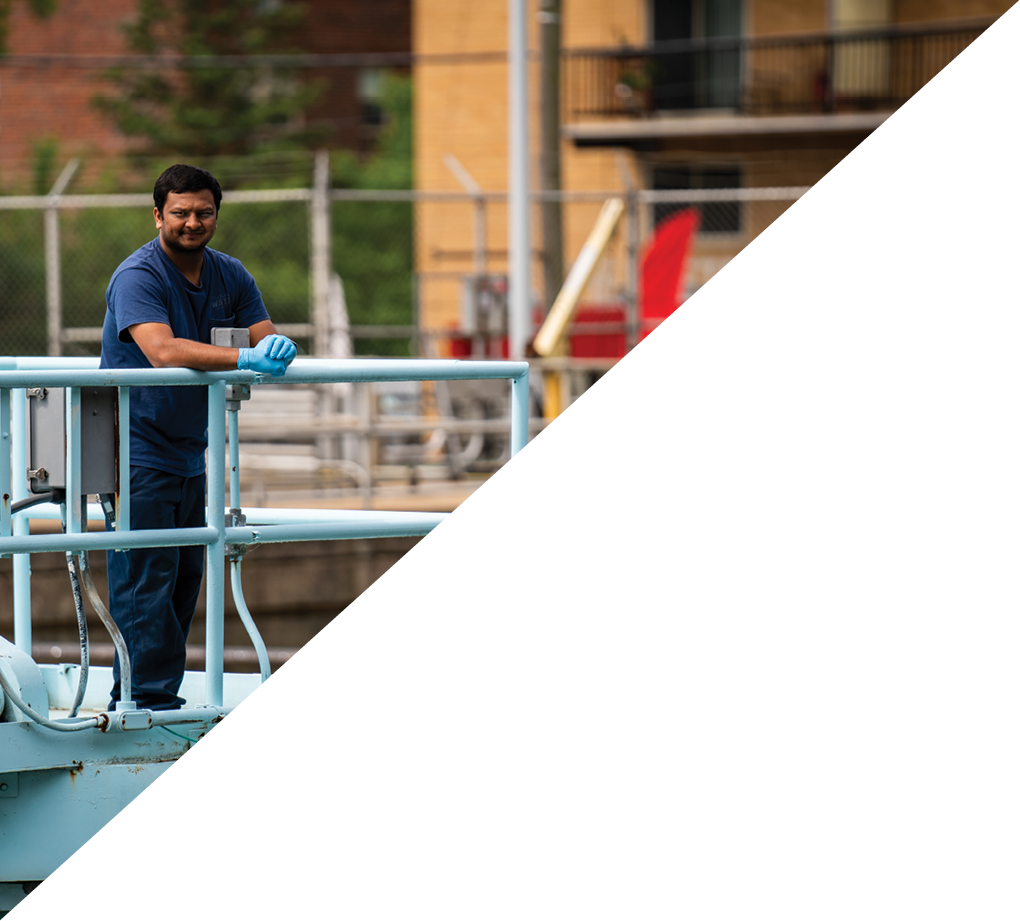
(168, 424)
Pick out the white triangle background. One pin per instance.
(736, 637)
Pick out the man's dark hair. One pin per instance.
(183, 178)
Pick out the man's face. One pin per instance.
(188, 221)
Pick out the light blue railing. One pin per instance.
(17, 375)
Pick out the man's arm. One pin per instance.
(165, 350)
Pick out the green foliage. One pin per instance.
(204, 111)
(44, 165)
(373, 242)
(22, 283)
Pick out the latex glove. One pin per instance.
(260, 358)
(282, 348)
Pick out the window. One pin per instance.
(716, 216)
(697, 79)
(370, 88)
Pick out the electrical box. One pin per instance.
(483, 309)
(47, 443)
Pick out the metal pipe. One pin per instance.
(284, 533)
(103, 540)
(73, 481)
(235, 471)
(248, 621)
(519, 231)
(520, 399)
(22, 562)
(123, 459)
(5, 461)
(215, 550)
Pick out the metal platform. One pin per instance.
(67, 763)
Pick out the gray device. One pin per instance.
(232, 338)
(47, 446)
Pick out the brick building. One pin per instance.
(667, 94)
(54, 69)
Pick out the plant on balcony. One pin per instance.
(633, 86)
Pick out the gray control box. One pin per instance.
(47, 443)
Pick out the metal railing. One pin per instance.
(228, 530)
(852, 71)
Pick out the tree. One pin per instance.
(206, 109)
(373, 241)
(41, 8)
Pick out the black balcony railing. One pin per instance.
(869, 70)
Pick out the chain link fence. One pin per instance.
(423, 273)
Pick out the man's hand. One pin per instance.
(270, 355)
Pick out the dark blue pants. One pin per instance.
(153, 591)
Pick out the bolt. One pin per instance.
(3, 787)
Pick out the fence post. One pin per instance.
(320, 252)
(54, 307)
(632, 313)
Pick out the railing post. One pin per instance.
(214, 556)
(520, 399)
(6, 485)
(72, 472)
(22, 562)
(123, 458)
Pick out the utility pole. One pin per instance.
(520, 236)
(549, 19)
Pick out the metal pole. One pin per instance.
(54, 297)
(631, 309)
(53, 294)
(5, 462)
(520, 236)
(320, 254)
(22, 562)
(72, 472)
(552, 209)
(214, 578)
(519, 405)
(123, 458)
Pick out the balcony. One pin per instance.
(811, 82)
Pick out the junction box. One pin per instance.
(47, 443)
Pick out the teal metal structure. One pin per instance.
(63, 777)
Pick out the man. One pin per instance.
(161, 304)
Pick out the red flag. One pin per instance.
(663, 267)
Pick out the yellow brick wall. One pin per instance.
(929, 10)
(784, 17)
(461, 109)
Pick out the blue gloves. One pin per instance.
(270, 355)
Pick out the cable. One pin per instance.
(111, 626)
(79, 608)
(37, 499)
(99, 722)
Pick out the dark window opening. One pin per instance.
(716, 216)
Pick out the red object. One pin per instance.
(608, 341)
(663, 267)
